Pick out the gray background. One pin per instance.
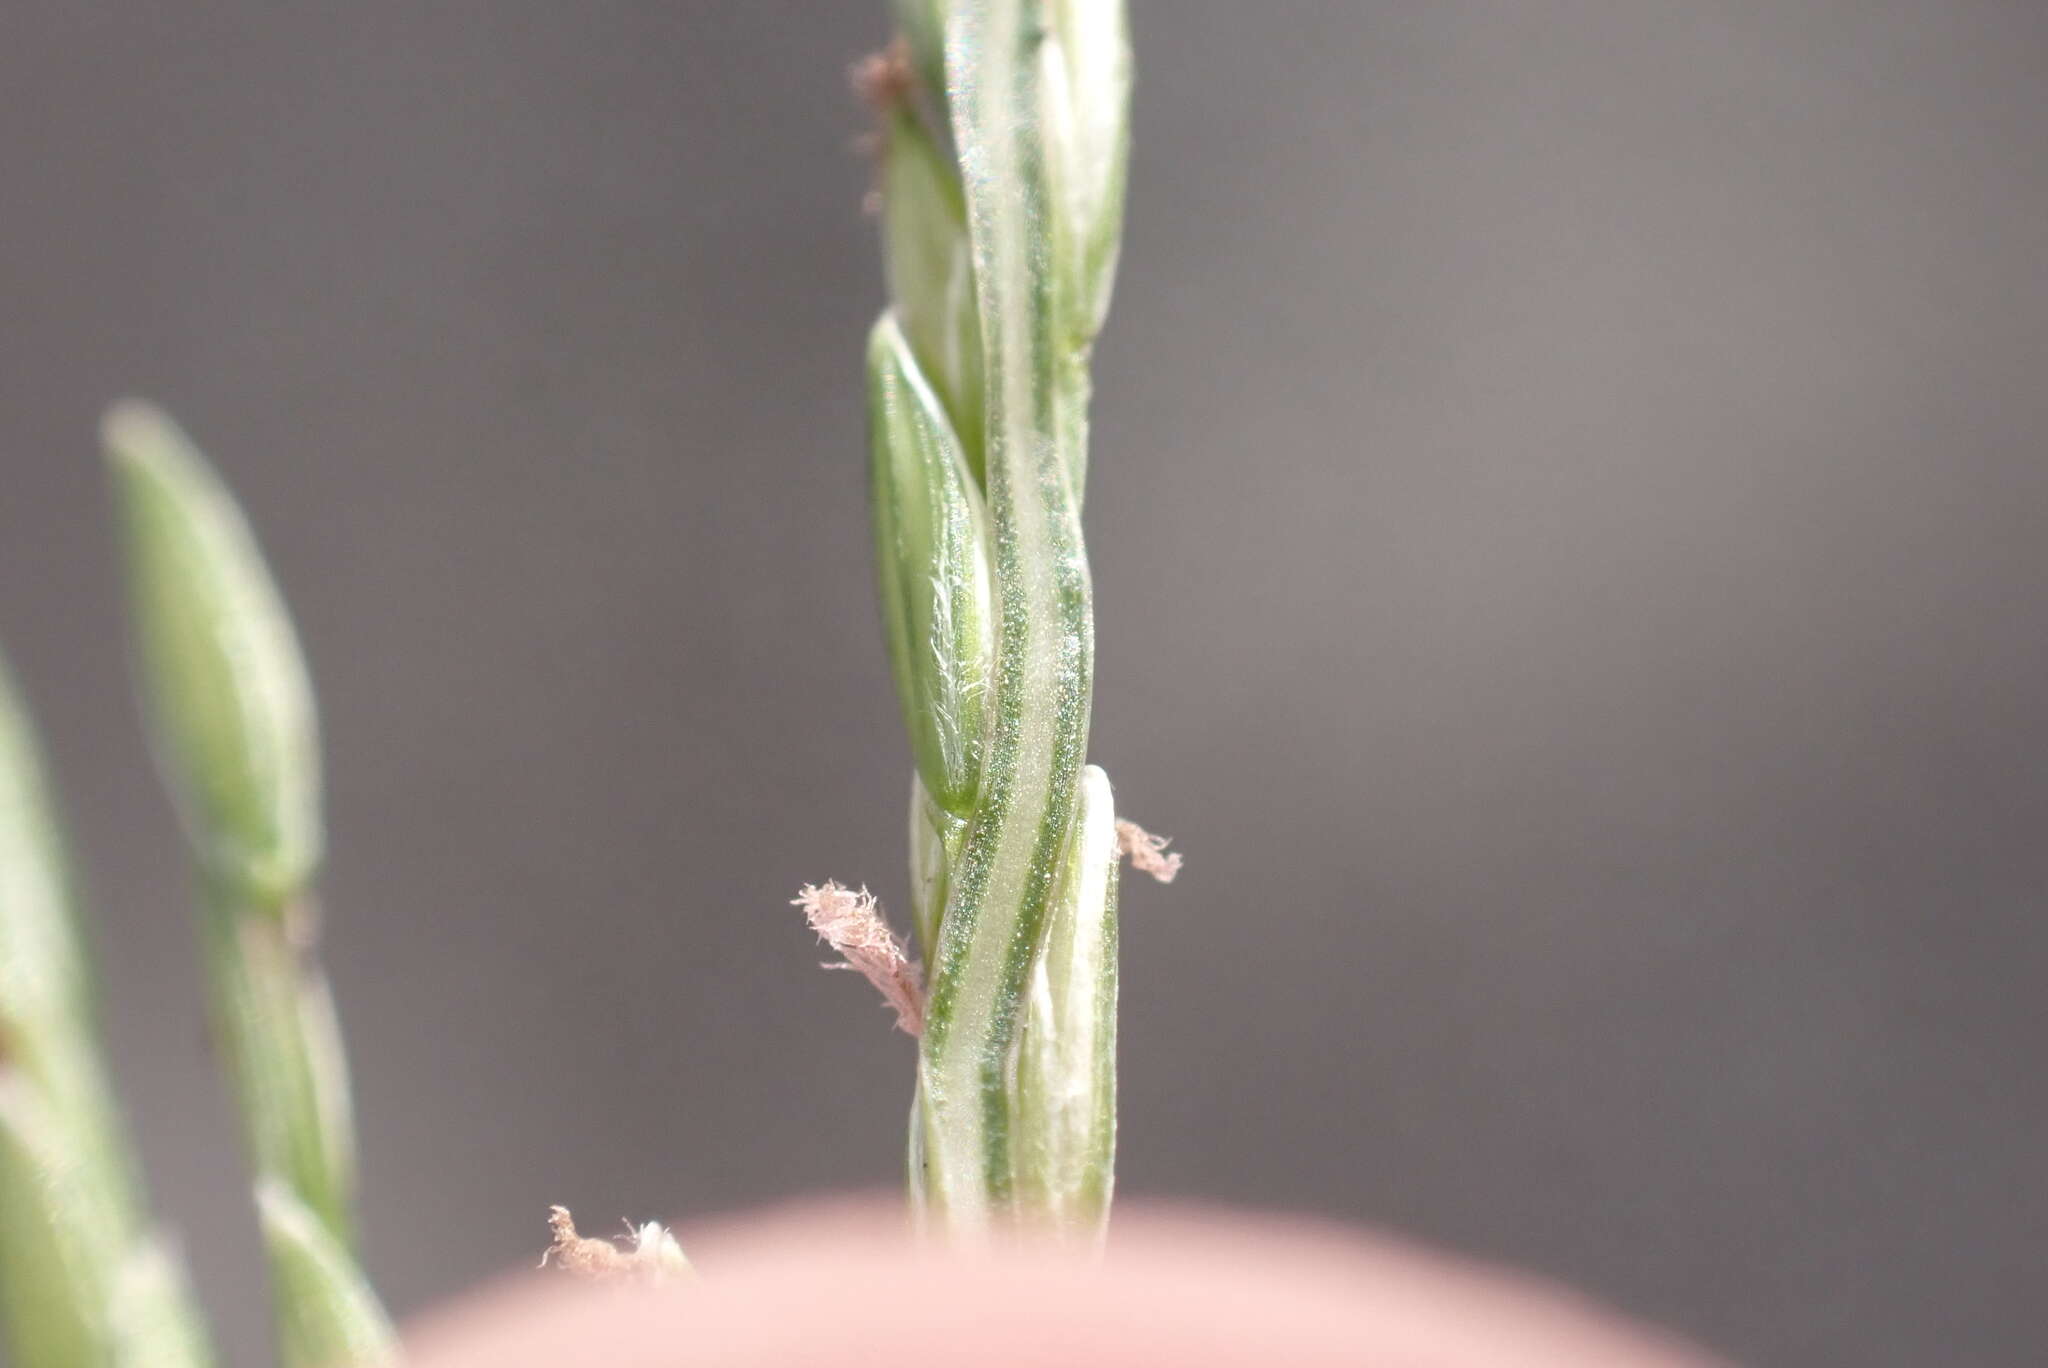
(1571, 532)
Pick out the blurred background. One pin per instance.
(1570, 525)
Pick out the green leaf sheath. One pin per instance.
(232, 715)
(78, 1265)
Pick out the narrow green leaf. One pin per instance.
(327, 1315)
(1065, 1151)
(223, 677)
(933, 570)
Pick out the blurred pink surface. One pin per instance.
(841, 1284)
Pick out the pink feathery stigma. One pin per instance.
(1147, 852)
(852, 924)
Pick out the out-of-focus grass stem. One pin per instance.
(231, 710)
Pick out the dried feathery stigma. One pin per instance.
(1148, 853)
(851, 923)
(654, 1256)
